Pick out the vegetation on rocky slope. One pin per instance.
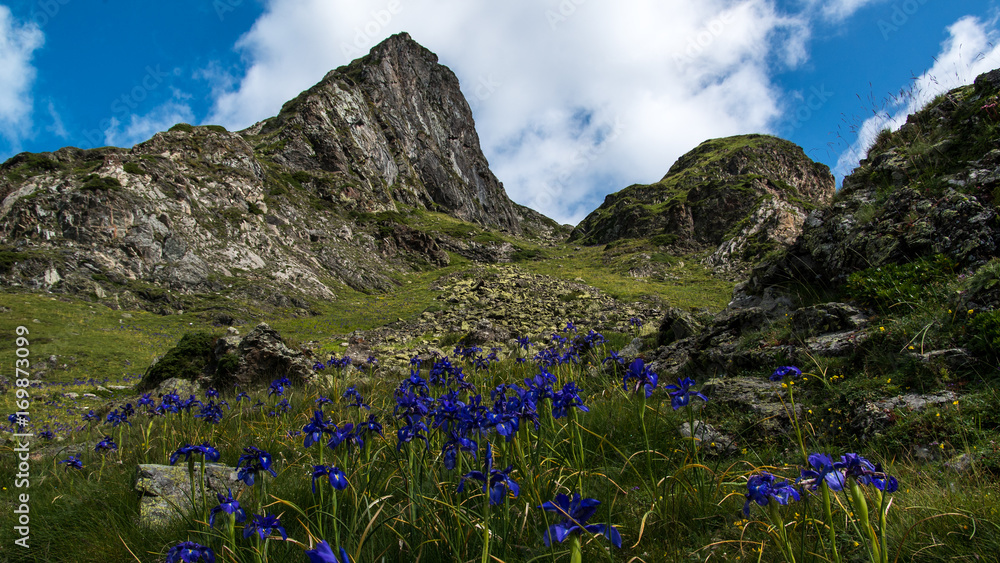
(738, 197)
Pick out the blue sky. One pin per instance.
(573, 99)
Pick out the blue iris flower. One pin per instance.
(454, 446)
(262, 525)
(575, 514)
(344, 434)
(763, 488)
(324, 554)
(106, 444)
(315, 429)
(117, 417)
(371, 425)
(230, 506)
(824, 471)
(211, 412)
(336, 476)
(644, 378)
(614, 357)
(205, 450)
(680, 394)
(252, 462)
(359, 402)
(790, 372)
(73, 462)
(191, 402)
(867, 473)
(410, 405)
(412, 430)
(278, 386)
(190, 552)
(565, 399)
(496, 481)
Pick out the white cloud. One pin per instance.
(839, 10)
(971, 49)
(18, 43)
(57, 128)
(141, 127)
(572, 99)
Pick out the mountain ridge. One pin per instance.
(341, 188)
(736, 197)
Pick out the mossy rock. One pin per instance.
(187, 360)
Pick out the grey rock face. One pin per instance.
(874, 416)
(905, 201)
(393, 126)
(827, 318)
(741, 196)
(264, 357)
(184, 388)
(166, 490)
(710, 440)
(270, 215)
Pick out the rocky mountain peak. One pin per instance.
(739, 196)
(394, 127)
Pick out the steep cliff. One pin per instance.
(738, 196)
(346, 186)
(930, 188)
(391, 127)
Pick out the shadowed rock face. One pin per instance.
(396, 125)
(741, 196)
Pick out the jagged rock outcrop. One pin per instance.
(739, 197)
(932, 187)
(392, 127)
(337, 189)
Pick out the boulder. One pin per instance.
(677, 325)
(264, 357)
(166, 489)
(710, 440)
(827, 318)
(873, 417)
(184, 388)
